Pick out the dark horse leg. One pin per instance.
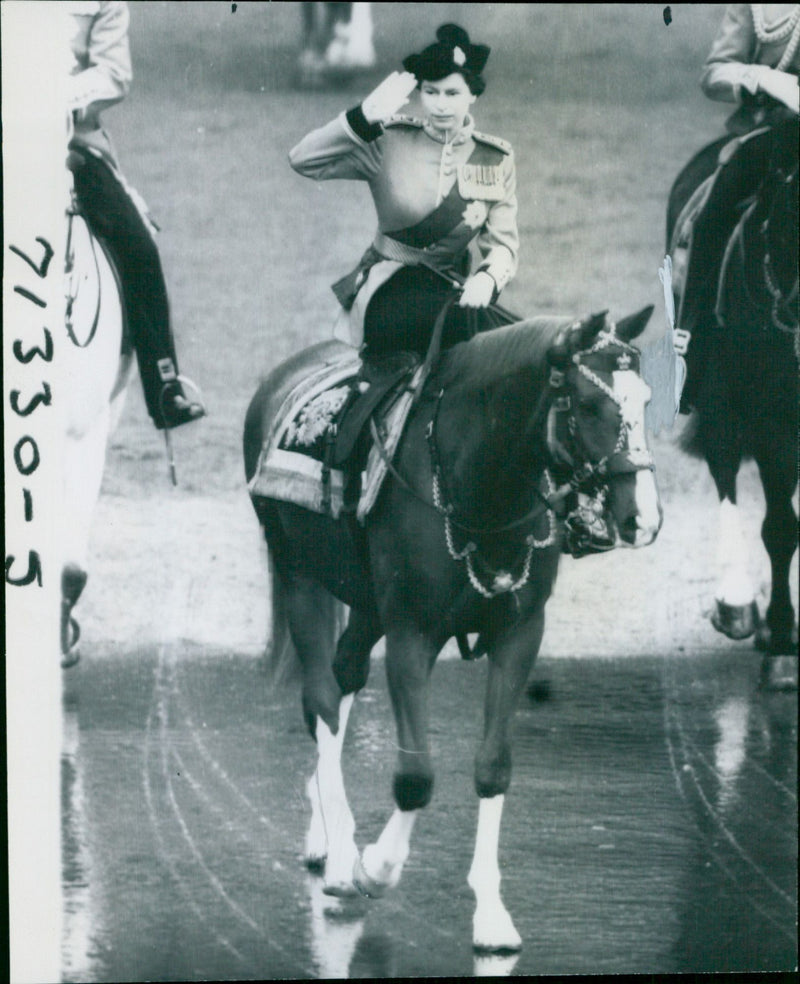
(779, 533)
(410, 656)
(735, 614)
(510, 663)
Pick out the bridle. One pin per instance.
(569, 462)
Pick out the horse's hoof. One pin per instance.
(495, 964)
(366, 885)
(735, 621)
(341, 890)
(779, 673)
(493, 930)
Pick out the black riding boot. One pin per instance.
(113, 216)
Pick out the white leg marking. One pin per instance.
(331, 833)
(647, 506)
(333, 936)
(383, 861)
(492, 928)
(735, 586)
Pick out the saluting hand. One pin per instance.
(478, 290)
(385, 100)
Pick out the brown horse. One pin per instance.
(465, 537)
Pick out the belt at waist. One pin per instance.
(384, 248)
(392, 249)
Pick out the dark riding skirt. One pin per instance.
(402, 312)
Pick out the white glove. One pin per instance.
(385, 100)
(478, 290)
(781, 86)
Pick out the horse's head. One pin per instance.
(596, 426)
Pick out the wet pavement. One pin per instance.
(651, 826)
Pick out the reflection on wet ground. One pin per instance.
(651, 826)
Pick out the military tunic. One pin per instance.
(101, 73)
(433, 197)
(750, 35)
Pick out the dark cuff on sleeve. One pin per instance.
(359, 125)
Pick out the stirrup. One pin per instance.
(180, 409)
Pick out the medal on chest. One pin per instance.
(481, 181)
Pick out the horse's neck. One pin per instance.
(492, 450)
(769, 230)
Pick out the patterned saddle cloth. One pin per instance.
(297, 460)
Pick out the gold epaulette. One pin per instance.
(401, 120)
(497, 142)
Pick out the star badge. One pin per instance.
(474, 215)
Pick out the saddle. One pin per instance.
(374, 387)
(319, 451)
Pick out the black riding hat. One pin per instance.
(451, 52)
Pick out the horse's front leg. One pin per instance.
(510, 663)
(410, 656)
(779, 534)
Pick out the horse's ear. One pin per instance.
(634, 325)
(591, 328)
(559, 353)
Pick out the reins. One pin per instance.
(72, 292)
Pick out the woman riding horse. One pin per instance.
(441, 189)
(100, 77)
(437, 184)
(755, 61)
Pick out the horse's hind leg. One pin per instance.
(331, 834)
(509, 667)
(312, 614)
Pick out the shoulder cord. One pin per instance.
(790, 29)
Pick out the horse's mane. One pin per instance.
(494, 355)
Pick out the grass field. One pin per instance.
(602, 105)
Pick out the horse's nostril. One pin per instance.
(628, 529)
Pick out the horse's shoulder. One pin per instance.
(497, 143)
